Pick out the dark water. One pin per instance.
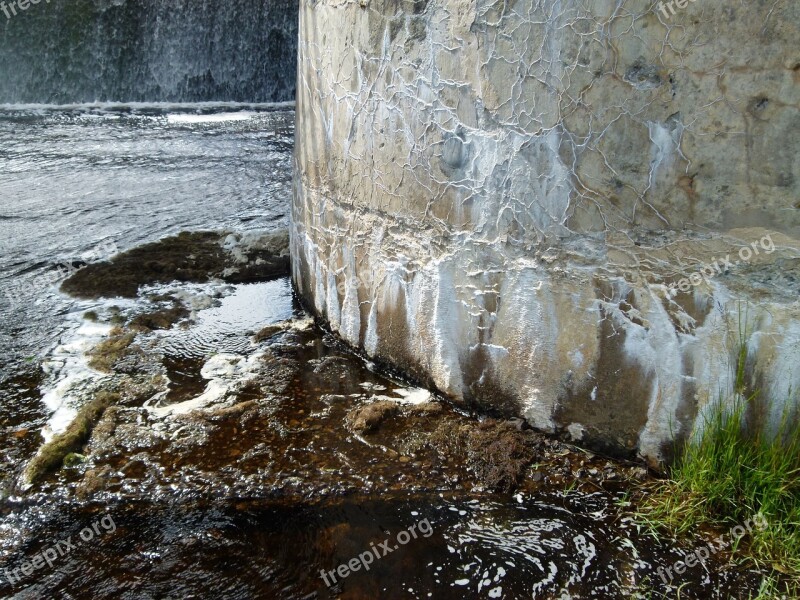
(548, 547)
(70, 51)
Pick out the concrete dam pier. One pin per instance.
(571, 212)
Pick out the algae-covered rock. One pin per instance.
(188, 257)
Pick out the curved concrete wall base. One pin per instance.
(556, 209)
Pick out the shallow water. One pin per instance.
(550, 546)
(76, 181)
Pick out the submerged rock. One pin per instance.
(188, 257)
(366, 419)
(295, 419)
(297, 416)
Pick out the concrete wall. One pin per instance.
(510, 200)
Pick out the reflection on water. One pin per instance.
(480, 548)
(228, 326)
(71, 181)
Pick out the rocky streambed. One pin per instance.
(242, 450)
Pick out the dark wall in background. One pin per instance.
(72, 51)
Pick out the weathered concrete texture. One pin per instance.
(497, 195)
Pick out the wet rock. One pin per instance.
(160, 319)
(274, 423)
(519, 424)
(189, 257)
(52, 455)
(426, 408)
(496, 451)
(109, 351)
(331, 367)
(267, 332)
(73, 459)
(94, 480)
(367, 419)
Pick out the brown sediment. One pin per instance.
(159, 319)
(267, 332)
(366, 419)
(188, 257)
(498, 452)
(294, 431)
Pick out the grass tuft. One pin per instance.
(729, 472)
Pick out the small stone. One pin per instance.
(368, 418)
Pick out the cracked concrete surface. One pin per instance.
(513, 186)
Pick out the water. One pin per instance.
(72, 181)
(477, 549)
(263, 488)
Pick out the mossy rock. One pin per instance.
(54, 454)
(73, 459)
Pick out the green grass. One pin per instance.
(731, 471)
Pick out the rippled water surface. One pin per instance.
(116, 176)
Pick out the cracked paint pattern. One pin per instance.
(526, 178)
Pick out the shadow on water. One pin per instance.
(426, 547)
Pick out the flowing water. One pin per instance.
(68, 51)
(73, 181)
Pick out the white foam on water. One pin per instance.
(149, 106)
(214, 118)
(68, 366)
(414, 395)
